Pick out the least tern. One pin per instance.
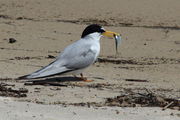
(77, 56)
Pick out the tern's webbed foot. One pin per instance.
(83, 78)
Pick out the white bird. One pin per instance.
(77, 56)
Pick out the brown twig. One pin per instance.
(136, 80)
(168, 105)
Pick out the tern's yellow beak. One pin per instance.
(110, 34)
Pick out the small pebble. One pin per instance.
(12, 40)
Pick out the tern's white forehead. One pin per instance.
(103, 28)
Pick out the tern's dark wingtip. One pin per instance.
(22, 77)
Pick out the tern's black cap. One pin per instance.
(92, 29)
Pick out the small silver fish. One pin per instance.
(117, 41)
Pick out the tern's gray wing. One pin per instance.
(78, 56)
(74, 57)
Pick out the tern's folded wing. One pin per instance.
(81, 61)
(78, 55)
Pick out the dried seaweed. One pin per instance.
(7, 91)
(148, 99)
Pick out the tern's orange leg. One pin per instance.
(83, 78)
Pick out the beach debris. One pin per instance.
(136, 80)
(12, 40)
(140, 61)
(5, 84)
(8, 91)
(5, 79)
(4, 16)
(168, 105)
(147, 99)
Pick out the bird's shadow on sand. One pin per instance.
(57, 79)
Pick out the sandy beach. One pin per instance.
(148, 58)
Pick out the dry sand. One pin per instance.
(29, 111)
(150, 51)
